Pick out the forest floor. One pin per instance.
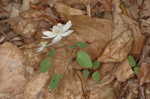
(74, 49)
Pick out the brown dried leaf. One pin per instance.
(118, 49)
(144, 75)
(139, 39)
(123, 71)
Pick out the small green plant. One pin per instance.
(133, 64)
(55, 81)
(84, 59)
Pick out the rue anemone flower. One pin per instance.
(58, 32)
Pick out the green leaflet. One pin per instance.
(96, 64)
(84, 59)
(55, 81)
(96, 76)
(131, 61)
(85, 73)
(52, 52)
(136, 70)
(46, 64)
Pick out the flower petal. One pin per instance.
(49, 34)
(56, 39)
(67, 26)
(67, 33)
(57, 27)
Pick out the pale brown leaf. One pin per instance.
(12, 69)
(123, 71)
(66, 10)
(121, 44)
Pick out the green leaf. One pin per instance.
(52, 52)
(131, 61)
(55, 81)
(86, 73)
(45, 64)
(81, 44)
(84, 59)
(96, 64)
(136, 70)
(96, 76)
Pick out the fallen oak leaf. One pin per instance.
(118, 49)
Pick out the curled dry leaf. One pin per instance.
(123, 71)
(35, 86)
(118, 49)
(12, 69)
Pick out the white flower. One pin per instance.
(42, 45)
(58, 32)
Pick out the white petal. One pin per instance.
(56, 39)
(57, 27)
(67, 26)
(67, 33)
(49, 34)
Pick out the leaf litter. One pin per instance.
(109, 33)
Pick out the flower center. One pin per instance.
(58, 31)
